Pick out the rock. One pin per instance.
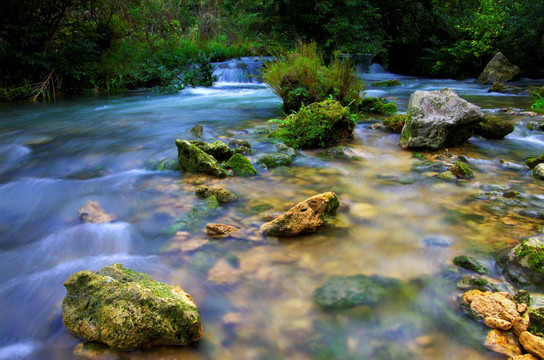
(222, 195)
(343, 152)
(475, 282)
(307, 216)
(507, 89)
(503, 343)
(524, 263)
(92, 212)
(536, 321)
(532, 344)
(318, 125)
(238, 142)
(340, 292)
(275, 160)
(499, 69)
(481, 305)
(395, 123)
(387, 83)
(524, 357)
(192, 219)
(197, 131)
(496, 323)
(281, 147)
(374, 105)
(220, 230)
(470, 263)
(461, 170)
(241, 166)
(161, 165)
(218, 149)
(538, 171)
(193, 159)
(493, 127)
(438, 119)
(125, 309)
(523, 297)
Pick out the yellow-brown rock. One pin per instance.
(532, 344)
(307, 216)
(92, 212)
(220, 230)
(524, 357)
(520, 325)
(496, 323)
(503, 343)
(488, 304)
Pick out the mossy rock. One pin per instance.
(218, 149)
(125, 309)
(161, 165)
(241, 166)
(470, 263)
(192, 220)
(387, 83)
(318, 125)
(395, 123)
(461, 170)
(538, 171)
(376, 106)
(222, 195)
(532, 162)
(536, 321)
(494, 127)
(195, 160)
(274, 160)
(341, 292)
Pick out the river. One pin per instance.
(394, 222)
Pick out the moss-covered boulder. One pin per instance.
(507, 89)
(275, 160)
(438, 119)
(218, 149)
(125, 309)
(395, 123)
(193, 159)
(470, 263)
(532, 162)
(241, 166)
(222, 195)
(461, 170)
(374, 105)
(318, 125)
(387, 83)
(307, 216)
(524, 263)
(341, 292)
(494, 127)
(499, 69)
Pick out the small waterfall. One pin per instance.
(245, 70)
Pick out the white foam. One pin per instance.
(17, 351)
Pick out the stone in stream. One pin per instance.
(195, 160)
(470, 263)
(125, 309)
(499, 69)
(503, 342)
(191, 219)
(218, 149)
(489, 306)
(524, 263)
(438, 119)
(538, 171)
(222, 195)
(307, 216)
(274, 160)
(461, 170)
(92, 212)
(493, 127)
(532, 162)
(221, 230)
(241, 166)
(197, 131)
(532, 344)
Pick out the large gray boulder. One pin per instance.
(125, 309)
(307, 216)
(194, 159)
(499, 69)
(438, 119)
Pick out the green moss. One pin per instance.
(534, 254)
(395, 123)
(241, 166)
(222, 195)
(461, 170)
(275, 160)
(470, 263)
(494, 127)
(376, 106)
(219, 150)
(536, 321)
(532, 162)
(321, 124)
(406, 132)
(387, 83)
(195, 160)
(193, 219)
(332, 206)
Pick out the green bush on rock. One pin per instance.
(321, 124)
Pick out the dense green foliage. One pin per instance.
(538, 98)
(78, 46)
(301, 77)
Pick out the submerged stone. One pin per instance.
(192, 219)
(241, 166)
(222, 195)
(494, 127)
(125, 309)
(461, 170)
(193, 159)
(470, 263)
(161, 165)
(197, 131)
(274, 160)
(92, 212)
(340, 292)
(307, 216)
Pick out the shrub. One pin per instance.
(538, 98)
(301, 77)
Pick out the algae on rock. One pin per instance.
(241, 166)
(125, 309)
(193, 159)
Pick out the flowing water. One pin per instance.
(254, 294)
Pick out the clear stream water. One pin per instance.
(56, 156)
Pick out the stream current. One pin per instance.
(393, 222)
